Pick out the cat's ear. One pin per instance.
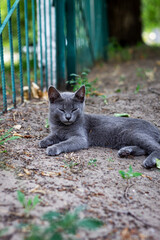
(80, 94)
(53, 94)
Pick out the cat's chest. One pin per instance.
(67, 132)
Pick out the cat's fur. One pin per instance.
(72, 130)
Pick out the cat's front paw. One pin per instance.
(43, 143)
(53, 151)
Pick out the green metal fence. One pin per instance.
(81, 39)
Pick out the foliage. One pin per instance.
(83, 80)
(62, 226)
(121, 115)
(3, 232)
(129, 174)
(92, 162)
(14, 25)
(27, 204)
(150, 14)
(47, 123)
(158, 163)
(7, 137)
(117, 52)
(71, 164)
(137, 88)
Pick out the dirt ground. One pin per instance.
(129, 210)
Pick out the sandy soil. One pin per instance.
(129, 210)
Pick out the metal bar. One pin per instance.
(60, 44)
(12, 59)
(27, 47)
(34, 40)
(71, 40)
(20, 53)
(50, 25)
(87, 30)
(40, 32)
(45, 35)
(3, 72)
(105, 30)
(9, 15)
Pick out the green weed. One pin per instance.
(137, 88)
(3, 232)
(140, 72)
(104, 97)
(110, 159)
(121, 115)
(27, 204)
(117, 52)
(60, 226)
(158, 163)
(83, 80)
(70, 164)
(129, 174)
(47, 123)
(92, 162)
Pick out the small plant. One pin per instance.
(110, 159)
(92, 162)
(129, 174)
(3, 232)
(104, 99)
(27, 204)
(70, 164)
(137, 88)
(83, 80)
(140, 72)
(62, 226)
(7, 137)
(158, 163)
(121, 115)
(47, 123)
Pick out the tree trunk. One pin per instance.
(124, 20)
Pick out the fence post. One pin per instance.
(3, 71)
(12, 58)
(71, 40)
(27, 47)
(105, 30)
(60, 43)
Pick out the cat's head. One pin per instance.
(66, 107)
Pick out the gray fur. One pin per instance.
(71, 130)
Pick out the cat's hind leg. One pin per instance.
(130, 150)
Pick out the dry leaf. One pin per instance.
(37, 190)
(125, 234)
(27, 171)
(158, 62)
(17, 127)
(50, 174)
(21, 175)
(17, 135)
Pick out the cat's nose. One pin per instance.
(68, 117)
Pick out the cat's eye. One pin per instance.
(62, 110)
(74, 109)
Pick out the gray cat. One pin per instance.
(72, 130)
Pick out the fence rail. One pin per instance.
(79, 40)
